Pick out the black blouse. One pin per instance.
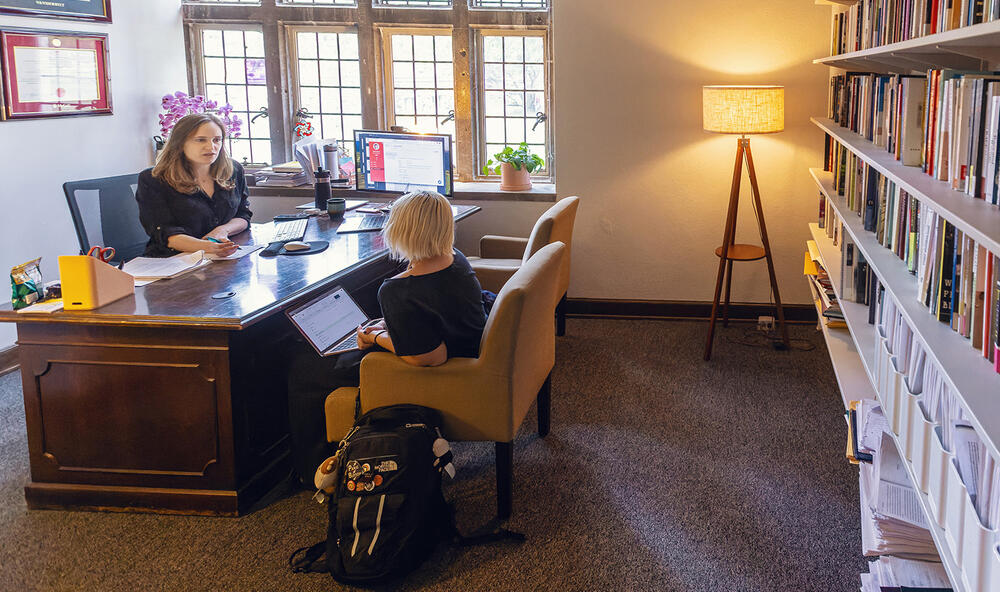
(421, 311)
(164, 211)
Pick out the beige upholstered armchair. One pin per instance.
(484, 398)
(500, 256)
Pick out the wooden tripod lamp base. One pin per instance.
(743, 109)
(730, 251)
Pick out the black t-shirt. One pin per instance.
(421, 311)
(164, 211)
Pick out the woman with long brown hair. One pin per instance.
(195, 197)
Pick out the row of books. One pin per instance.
(887, 110)
(871, 23)
(958, 279)
(830, 311)
(947, 123)
(885, 208)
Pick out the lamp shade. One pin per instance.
(743, 109)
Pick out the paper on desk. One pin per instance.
(48, 306)
(146, 268)
(241, 251)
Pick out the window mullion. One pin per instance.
(276, 115)
(461, 61)
(369, 71)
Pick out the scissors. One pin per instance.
(105, 254)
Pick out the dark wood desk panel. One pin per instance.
(172, 401)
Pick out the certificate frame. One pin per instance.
(54, 73)
(90, 10)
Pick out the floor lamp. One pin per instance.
(742, 110)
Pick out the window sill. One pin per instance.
(543, 192)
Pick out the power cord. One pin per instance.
(769, 340)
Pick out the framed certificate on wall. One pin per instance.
(53, 73)
(91, 10)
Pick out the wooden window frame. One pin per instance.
(386, 92)
(277, 21)
(479, 107)
(291, 67)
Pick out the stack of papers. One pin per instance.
(289, 174)
(145, 269)
(980, 473)
(310, 154)
(895, 573)
(892, 520)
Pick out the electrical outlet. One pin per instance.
(765, 323)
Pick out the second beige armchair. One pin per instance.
(484, 398)
(500, 256)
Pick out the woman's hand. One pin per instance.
(219, 248)
(219, 233)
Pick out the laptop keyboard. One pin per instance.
(349, 343)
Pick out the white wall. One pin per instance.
(654, 186)
(627, 111)
(146, 44)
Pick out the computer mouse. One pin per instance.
(296, 246)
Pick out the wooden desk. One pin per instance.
(173, 401)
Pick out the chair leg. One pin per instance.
(505, 478)
(544, 400)
(561, 316)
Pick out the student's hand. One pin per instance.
(222, 248)
(365, 339)
(378, 325)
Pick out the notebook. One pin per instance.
(328, 322)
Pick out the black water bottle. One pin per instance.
(322, 189)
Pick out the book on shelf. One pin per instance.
(873, 23)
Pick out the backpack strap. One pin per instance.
(307, 563)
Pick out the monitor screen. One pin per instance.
(400, 163)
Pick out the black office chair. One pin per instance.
(105, 213)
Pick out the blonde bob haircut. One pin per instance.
(420, 226)
(174, 168)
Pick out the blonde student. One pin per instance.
(433, 310)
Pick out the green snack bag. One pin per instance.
(26, 284)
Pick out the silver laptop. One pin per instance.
(329, 321)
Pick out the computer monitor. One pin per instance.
(399, 163)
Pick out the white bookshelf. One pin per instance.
(967, 48)
(972, 216)
(966, 371)
(846, 352)
(859, 372)
(963, 367)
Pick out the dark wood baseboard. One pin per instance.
(8, 360)
(681, 309)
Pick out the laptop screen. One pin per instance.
(329, 318)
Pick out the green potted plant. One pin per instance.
(514, 165)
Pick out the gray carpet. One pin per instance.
(662, 472)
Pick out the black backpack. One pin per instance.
(387, 512)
